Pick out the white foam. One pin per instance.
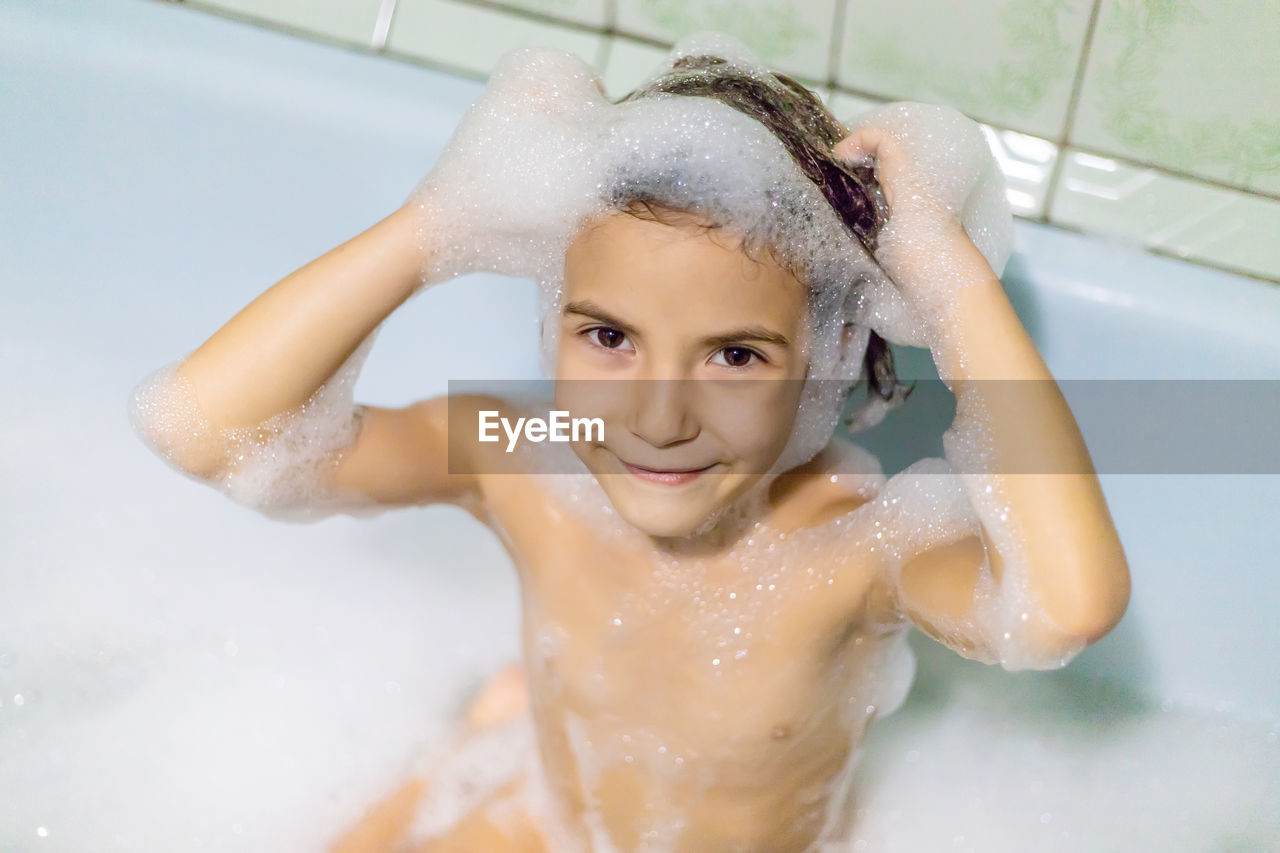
(947, 173)
(540, 154)
(543, 150)
(282, 467)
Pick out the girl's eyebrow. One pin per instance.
(587, 308)
(748, 333)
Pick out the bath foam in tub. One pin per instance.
(545, 118)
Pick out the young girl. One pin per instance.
(716, 590)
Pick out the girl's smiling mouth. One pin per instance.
(666, 476)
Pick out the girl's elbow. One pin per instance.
(1096, 614)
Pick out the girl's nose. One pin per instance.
(660, 411)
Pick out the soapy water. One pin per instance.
(544, 117)
(216, 693)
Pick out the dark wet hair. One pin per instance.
(809, 132)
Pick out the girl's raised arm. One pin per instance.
(1041, 572)
(264, 408)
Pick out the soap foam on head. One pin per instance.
(540, 154)
(543, 151)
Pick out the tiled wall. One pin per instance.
(1156, 121)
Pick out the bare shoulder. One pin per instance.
(840, 478)
(425, 453)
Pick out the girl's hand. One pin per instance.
(510, 175)
(949, 222)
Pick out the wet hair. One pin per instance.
(809, 132)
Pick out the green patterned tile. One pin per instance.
(789, 35)
(1187, 84)
(345, 20)
(1010, 62)
(591, 12)
(473, 38)
(629, 64)
(1181, 216)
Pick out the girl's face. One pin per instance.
(704, 353)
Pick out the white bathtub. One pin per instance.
(177, 673)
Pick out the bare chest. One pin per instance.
(746, 647)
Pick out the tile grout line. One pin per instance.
(835, 51)
(271, 25)
(1165, 171)
(388, 6)
(1073, 104)
(608, 42)
(604, 55)
(382, 28)
(531, 15)
(427, 62)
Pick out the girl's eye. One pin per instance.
(738, 356)
(606, 337)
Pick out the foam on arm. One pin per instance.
(282, 467)
(929, 506)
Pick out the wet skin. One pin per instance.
(698, 693)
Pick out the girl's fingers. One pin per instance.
(860, 144)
